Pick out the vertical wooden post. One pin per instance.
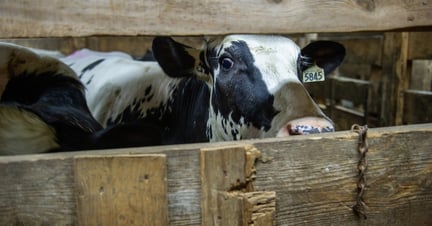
(121, 190)
(395, 81)
(228, 196)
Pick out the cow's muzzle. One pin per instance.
(306, 125)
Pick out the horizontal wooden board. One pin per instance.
(314, 179)
(63, 18)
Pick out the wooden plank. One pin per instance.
(312, 176)
(356, 70)
(344, 118)
(315, 180)
(421, 75)
(417, 107)
(219, 174)
(228, 196)
(121, 190)
(355, 90)
(364, 49)
(337, 89)
(394, 79)
(376, 95)
(35, 191)
(21, 18)
(420, 46)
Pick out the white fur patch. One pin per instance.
(227, 129)
(275, 57)
(119, 82)
(22, 132)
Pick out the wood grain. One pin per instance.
(36, 191)
(421, 75)
(121, 190)
(42, 18)
(394, 79)
(228, 196)
(313, 177)
(419, 46)
(222, 170)
(315, 182)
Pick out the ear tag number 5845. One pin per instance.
(313, 74)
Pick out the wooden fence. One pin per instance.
(303, 180)
(65, 18)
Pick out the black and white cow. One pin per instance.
(235, 87)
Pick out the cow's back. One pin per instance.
(120, 89)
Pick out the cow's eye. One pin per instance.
(226, 63)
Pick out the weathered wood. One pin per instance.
(363, 51)
(331, 93)
(323, 169)
(65, 18)
(313, 177)
(420, 46)
(222, 171)
(35, 191)
(121, 190)
(394, 79)
(344, 117)
(262, 207)
(228, 196)
(363, 48)
(417, 107)
(356, 70)
(421, 75)
(354, 90)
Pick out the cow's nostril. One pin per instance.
(293, 130)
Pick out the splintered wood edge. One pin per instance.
(252, 207)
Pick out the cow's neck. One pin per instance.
(226, 129)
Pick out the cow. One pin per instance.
(234, 87)
(43, 107)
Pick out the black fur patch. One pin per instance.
(59, 101)
(28, 88)
(90, 66)
(173, 57)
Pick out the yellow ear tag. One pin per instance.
(313, 74)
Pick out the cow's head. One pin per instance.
(255, 82)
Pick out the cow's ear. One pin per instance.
(176, 59)
(326, 54)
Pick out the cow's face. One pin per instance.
(254, 82)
